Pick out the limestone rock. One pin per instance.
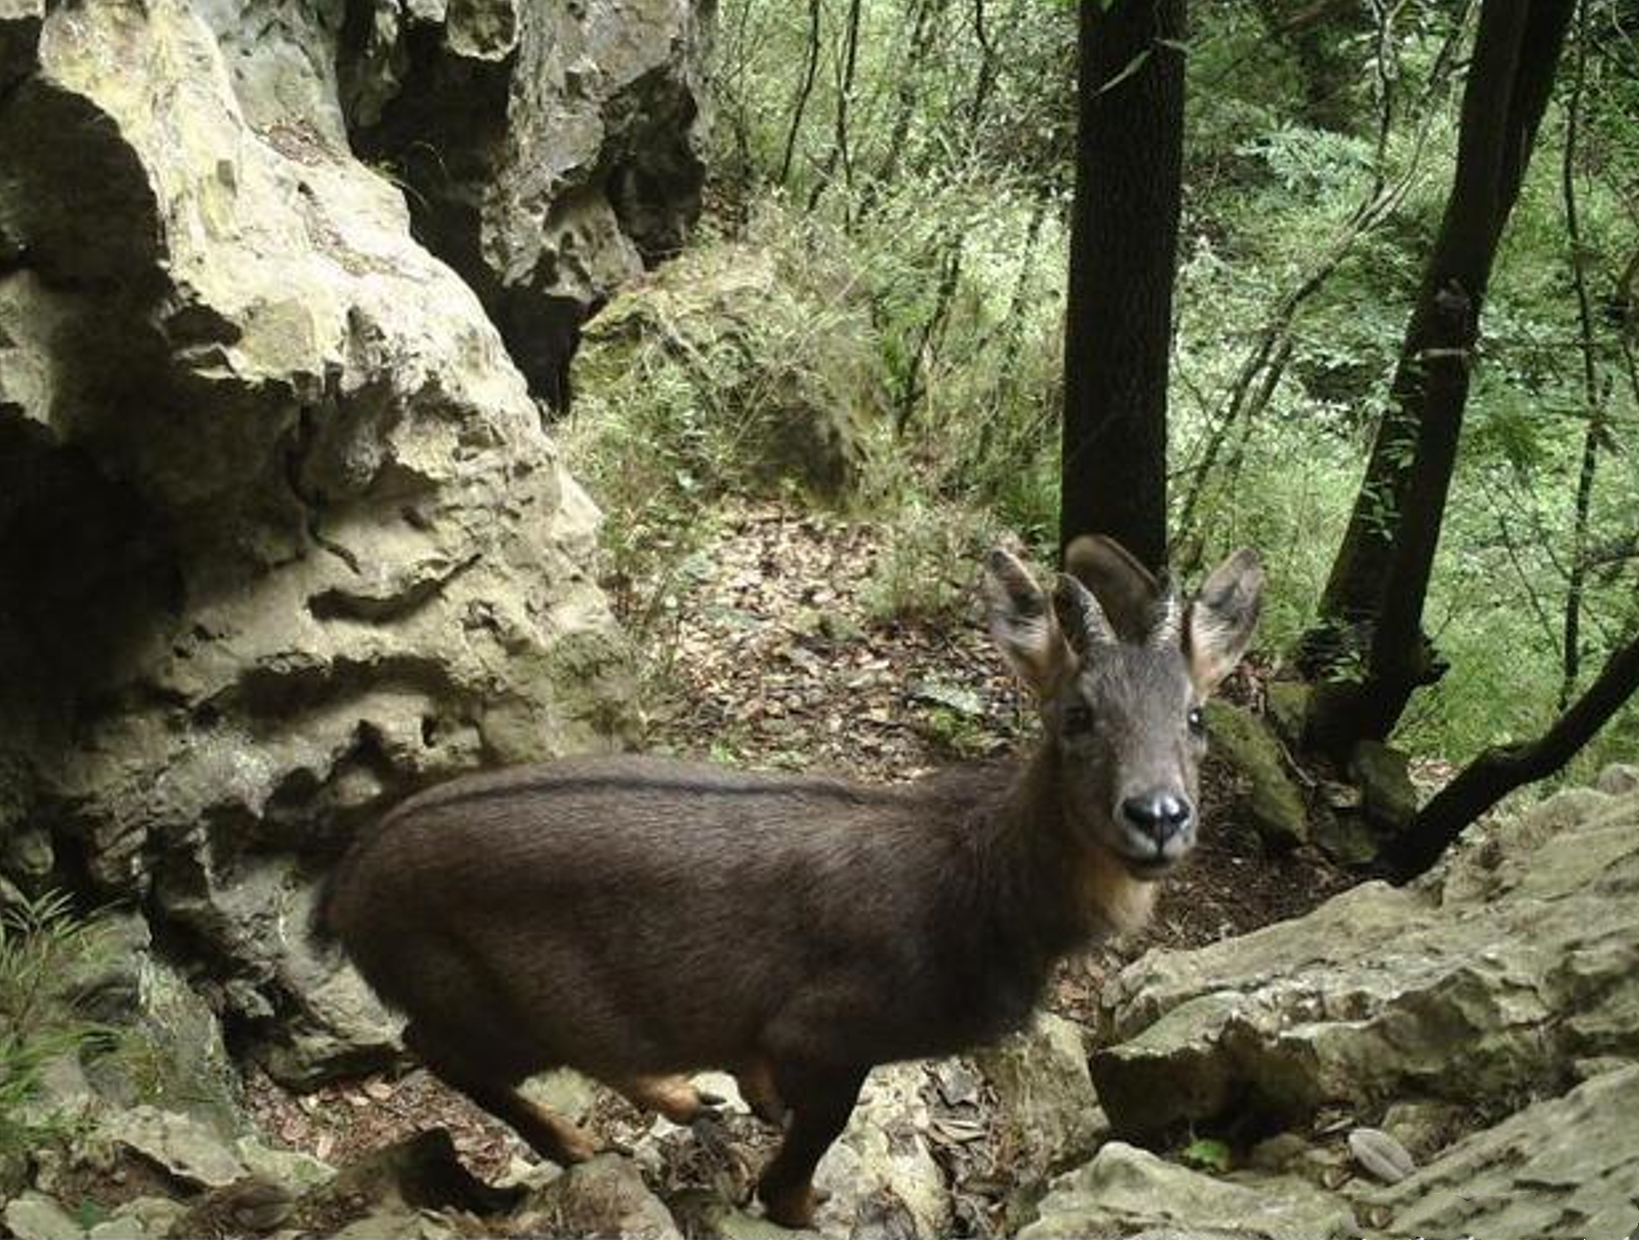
(399, 1223)
(1520, 952)
(1276, 805)
(551, 150)
(34, 1216)
(882, 1165)
(179, 1144)
(1386, 791)
(1289, 708)
(1567, 1165)
(700, 331)
(422, 1172)
(1126, 1190)
(1618, 778)
(143, 1218)
(1049, 1116)
(603, 1197)
(175, 1056)
(284, 534)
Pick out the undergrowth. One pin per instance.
(42, 942)
(902, 298)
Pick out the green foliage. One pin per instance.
(910, 213)
(926, 572)
(1207, 1153)
(42, 941)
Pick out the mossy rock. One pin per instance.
(1288, 708)
(1384, 777)
(719, 363)
(1242, 740)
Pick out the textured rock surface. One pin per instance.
(1126, 1190)
(551, 149)
(1524, 953)
(1565, 1166)
(280, 531)
(603, 1197)
(881, 1171)
(707, 344)
(1048, 1114)
(1387, 796)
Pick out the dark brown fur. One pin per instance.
(635, 917)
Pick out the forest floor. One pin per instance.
(763, 647)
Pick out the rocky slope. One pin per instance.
(1458, 1058)
(281, 531)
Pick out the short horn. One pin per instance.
(1168, 627)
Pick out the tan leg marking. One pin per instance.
(672, 1096)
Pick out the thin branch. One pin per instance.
(1501, 769)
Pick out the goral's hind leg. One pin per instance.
(756, 1081)
(673, 1096)
(551, 1136)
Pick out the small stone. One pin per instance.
(1288, 702)
(1274, 1153)
(1346, 839)
(1618, 779)
(1381, 1155)
(141, 1217)
(606, 1196)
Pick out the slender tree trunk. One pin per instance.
(804, 91)
(1123, 257)
(840, 152)
(1374, 596)
(1498, 771)
(1593, 405)
(925, 23)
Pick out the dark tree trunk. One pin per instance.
(1373, 603)
(1498, 771)
(1123, 256)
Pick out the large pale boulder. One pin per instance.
(1514, 967)
(281, 533)
(551, 150)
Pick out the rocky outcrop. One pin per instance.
(1124, 1190)
(1522, 954)
(1487, 1019)
(281, 533)
(550, 151)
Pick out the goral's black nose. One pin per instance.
(1158, 815)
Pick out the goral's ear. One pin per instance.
(1222, 619)
(1023, 625)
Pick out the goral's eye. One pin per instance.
(1076, 719)
(1197, 721)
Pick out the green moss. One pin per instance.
(1277, 808)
